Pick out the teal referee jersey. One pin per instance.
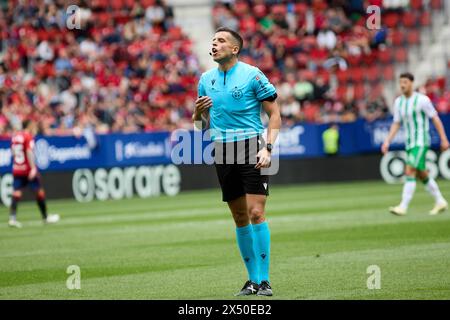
(236, 97)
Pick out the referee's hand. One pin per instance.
(263, 157)
(201, 105)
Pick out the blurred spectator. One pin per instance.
(335, 62)
(125, 67)
(437, 90)
(290, 110)
(395, 4)
(319, 52)
(304, 90)
(132, 69)
(330, 140)
(321, 89)
(326, 38)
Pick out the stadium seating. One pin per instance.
(130, 68)
(367, 58)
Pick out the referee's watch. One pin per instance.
(269, 147)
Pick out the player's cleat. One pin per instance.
(439, 208)
(249, 288)
(14, 224)
(399, 211)
(264, 289)
(52, 218)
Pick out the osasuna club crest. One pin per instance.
(236, 93)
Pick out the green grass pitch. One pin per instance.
(324, 237)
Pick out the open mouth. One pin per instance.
(214, 51)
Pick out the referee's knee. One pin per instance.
(256, 215)
(241, 219)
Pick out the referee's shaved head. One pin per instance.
(236, 36)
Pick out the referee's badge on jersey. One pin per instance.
(236, 93)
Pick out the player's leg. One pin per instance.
(432, 187)
(18, 184)
(39, 193)
(256, 207)
(16, 196)
(41, 202)
(413, 158)
(409, 188)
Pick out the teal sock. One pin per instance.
(262, 248)
(244, 237)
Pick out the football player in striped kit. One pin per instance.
(413, 110)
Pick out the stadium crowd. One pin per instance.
(326, 63)
(130, 68)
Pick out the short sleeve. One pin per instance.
(201, 89)
(428, 108)
(262, 87)
(397, 105)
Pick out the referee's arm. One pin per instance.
(273, 111)
(200, 116)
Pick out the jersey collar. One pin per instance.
(230, 70)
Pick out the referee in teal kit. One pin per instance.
(230, 99)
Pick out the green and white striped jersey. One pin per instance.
(414, 113)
